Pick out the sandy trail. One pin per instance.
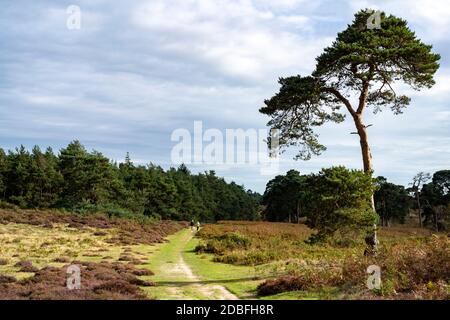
(173, 269)
(214, 291)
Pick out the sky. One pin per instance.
(135, 71)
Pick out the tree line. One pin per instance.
(82, 181)
(337, 198)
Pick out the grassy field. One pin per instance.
(122, 259)
(414, 263)
(242, 280)
(34, 256)
(175, 277)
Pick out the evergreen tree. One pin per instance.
(391, 201)
(3, 171)
(87, 181)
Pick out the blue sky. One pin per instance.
(137, 70)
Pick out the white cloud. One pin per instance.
(297, 20)
(134, 72)
(236, 37)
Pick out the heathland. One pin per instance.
(125, 259)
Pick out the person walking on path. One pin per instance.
(198, 225)
(192, 225)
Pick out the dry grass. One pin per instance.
(126, 231)
(98, 281)
(418, 270)
(264, 242)
(38, 245)
(414, 263)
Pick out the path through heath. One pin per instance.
(174, 278)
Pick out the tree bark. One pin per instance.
(419, 208)
(365, 149)
(371, 240)
(364, 142)
(436, 226)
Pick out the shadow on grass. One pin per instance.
(218, 281)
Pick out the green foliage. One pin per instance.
(435, 199)
(335, 199)
(285, 196)
(410, 269)
(340, 199)
(362, 64)
(441, 182)
(87, 177)
(386, 54)
(224, 243)
(2, 172)
(87, 182)
(391, 201)
(296, 110)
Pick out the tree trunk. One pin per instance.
(364, 142)
(365, 149)
(419, 208)
(371, 239)
(436, 226)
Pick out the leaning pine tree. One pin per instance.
(359, 70)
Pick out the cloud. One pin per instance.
(235, 37)
(136, 71)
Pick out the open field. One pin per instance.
(124, 259)
(175, 279)
(414, 262)
(37, 247)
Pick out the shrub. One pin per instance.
(408, 270)
(26, 266)
(309, 279)
(224, 243)
(253, 257)
(99, 281)
(7, 205)
(7, 279)
(339, 201)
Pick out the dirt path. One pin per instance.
(208, 290)
(174, 278)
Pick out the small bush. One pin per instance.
(7, 205)
(99, 281)
(62, 259)
(26, 266)
(309, 279)
(224, 243)
(143, 272)
(6, 279)
(408, 270)
(339, 200)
